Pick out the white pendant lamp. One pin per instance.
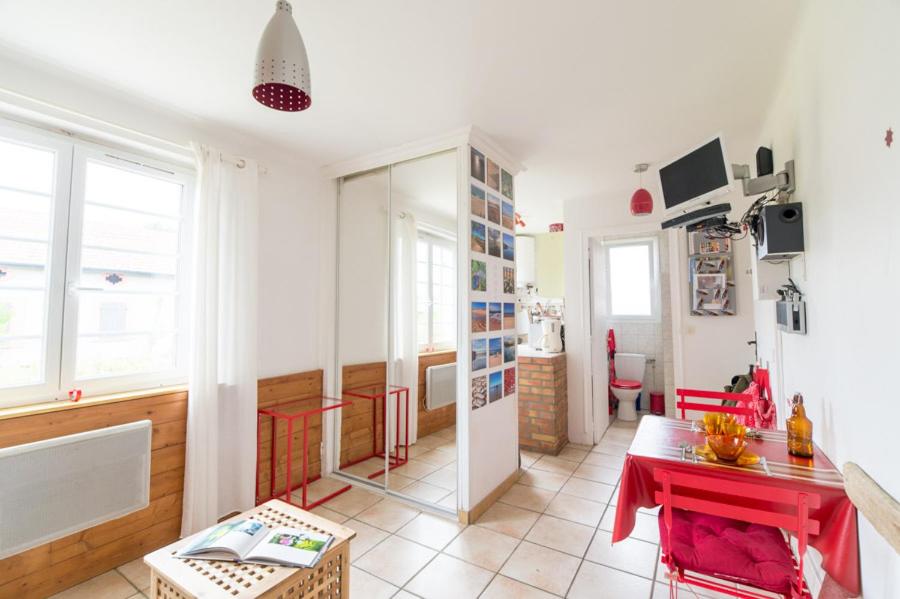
(282, 68)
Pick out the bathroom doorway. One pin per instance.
(630, 296)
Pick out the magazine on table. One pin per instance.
(253, 542)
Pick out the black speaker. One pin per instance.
(779, 231)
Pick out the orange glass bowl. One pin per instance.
(727, 447)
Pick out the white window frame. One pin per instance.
(433, 240)
(65, 266)
(653, 255)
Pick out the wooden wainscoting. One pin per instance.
(52, 567)
(356, 419)
(434, 420)
(302, 387)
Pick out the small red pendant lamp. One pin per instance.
(281, 77)
(641, 200)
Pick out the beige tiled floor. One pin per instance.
(548, 536)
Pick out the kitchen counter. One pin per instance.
(526, 351)
(543, 400)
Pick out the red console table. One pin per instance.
(289, 413)
(377, 394)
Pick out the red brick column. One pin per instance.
(543, 404)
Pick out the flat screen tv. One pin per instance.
(696, 177)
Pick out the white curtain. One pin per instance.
(405, 350)
(220, 464)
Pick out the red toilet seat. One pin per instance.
(625, 384)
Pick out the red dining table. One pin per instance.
(658, 443)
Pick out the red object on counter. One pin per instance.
(658, 443)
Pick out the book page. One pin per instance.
(236, 537)
(290, 546)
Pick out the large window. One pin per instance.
(436, 293)
(93, 269)
(632, 280)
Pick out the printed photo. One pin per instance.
(509, 381)
(496, 386)
(506, 184)
(297, 542)
(509, 348)
(509, 247)
(495, 316)
(493, 175)
(494, 246)
(478, 241)
(493, 207)
(479, 354)
(509, 216)
(495, 352)
(479, 276)
(477, 165)
(477, 199)
(509, 316)
(479, 317)
(479, 392)
(509, 279)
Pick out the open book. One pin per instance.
(251, 541)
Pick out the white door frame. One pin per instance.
(596, 415)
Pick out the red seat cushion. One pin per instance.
(751, 554)
(625, 384)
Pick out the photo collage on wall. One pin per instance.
(492, 253)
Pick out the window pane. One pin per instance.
(127, 308)
(114, 186)
(630, 280)
(25, 237)
(26, 168)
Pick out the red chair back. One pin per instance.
(697, 493)
(684, 405)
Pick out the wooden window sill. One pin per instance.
(85, 402)
(439, 352)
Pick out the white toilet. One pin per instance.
(626, 382)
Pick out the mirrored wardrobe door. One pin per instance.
(362, 331)
(422, 333)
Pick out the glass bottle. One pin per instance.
(799, 429)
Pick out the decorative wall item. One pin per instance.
(711, 274)
(506, 184)
(494, 246)
(479, 275)
(479, 317)
(477, 165)
(555, 227)
(478, 241)
(478, 201)
(492, 295)
(493, 204)
(508, 216)
(479, 392)
(495, 316)
(493, 175)
(495, 386)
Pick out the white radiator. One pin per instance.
(440, 386)
(52, 488)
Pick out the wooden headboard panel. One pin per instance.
(879, 508)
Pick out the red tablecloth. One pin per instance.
(658, 444)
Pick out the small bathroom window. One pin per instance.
(633, 279)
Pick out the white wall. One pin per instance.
(839, 94)
(291, 195)
(712, 349)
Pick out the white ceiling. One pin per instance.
(579, 91)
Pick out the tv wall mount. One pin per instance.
(783, 181)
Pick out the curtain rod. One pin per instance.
(152, 140)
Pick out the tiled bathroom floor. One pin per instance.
(548, 536)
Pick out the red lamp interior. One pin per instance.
(281, 96)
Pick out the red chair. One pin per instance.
(759, 413)
(726, 533)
